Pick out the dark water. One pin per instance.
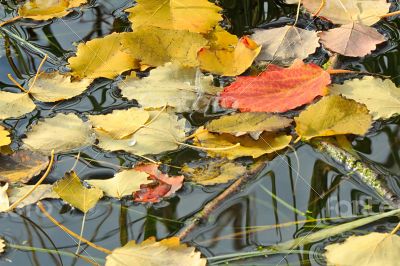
(315, 186)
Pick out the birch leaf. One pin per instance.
(333, 115)
(62, 133)
(381, 97)
(285, 44)
(122, 184)
(41, 192)
(4, 137)
(4, 201)
(2, 246)
(47, 9)
(14, 105)
(71, 189)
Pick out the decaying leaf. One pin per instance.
(222, 144)
(285, 44)
(101, 57)
(71, 189)
(21, 166)
(53, 87)
(333, 115)
(213, 172)
(61, 133)
(124, 183)
(191, 15)
(348, 11)
(162, 187)
(158, 136)
(253, 123)
(228, 62)
(47, 9)
(277, 89)
(155, 47)
(4, 137)
(4, 201)
(352, 39)
(373, 249)
(381, 97)
(151, 253)
(169, 85)
(13, 105)
(41, 192)
(120, 123)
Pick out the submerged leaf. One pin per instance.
(333, 115)
(40, 192)
(47, 9)
(71, 189)
(151, 253)
(14, 105)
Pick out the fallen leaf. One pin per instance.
(120, 123)
(14, 105)
(352, 39)
(373, 249)
(41, 192)
(333, 115)
(4, 201)
(192, 15)
(160, 135)
(168, 85)
(228, 62)
(219, 39)
(2, 245)
(253, 123)
(47, 9)
(71, 189)
(220, 145)
(62, 133)
(213, 172)
(4, 137)
(101, 57)
(164, 185)
(122, 184)
(348, 11)
(21, 166)
(285, 44)
(53, 87)
(168, 252)
(277, 89)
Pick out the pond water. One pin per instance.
(306, 183)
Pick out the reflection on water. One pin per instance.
(314, 188)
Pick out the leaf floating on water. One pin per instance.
(333, 115)
(352, 39)
(120, 123)
(286, 44)
(219, 39)
(41, 192)
(21, 166)
(277, 89)
(124, 183)
(373, 249)
(14, 105)
(53, 87)
(381, 97)
(193, 15)
(168, 252)
(5, 139)
(61, 133)
(47, 9)
(71, 189)
(2, 245)
(4, 201)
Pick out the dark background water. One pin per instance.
(313, 187)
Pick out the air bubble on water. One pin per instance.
(132, 142)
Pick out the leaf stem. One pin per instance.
(10, 20)
(16, 83)
(322, 5)
(38, 71)
(391, 14)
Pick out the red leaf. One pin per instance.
(277, 89)
(163, 185)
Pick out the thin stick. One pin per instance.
(341, 71)
(297, 13)
(323, 2)
(15, 204)
(396, 229)
(9, 21)
(81, 234)
(71, 233)
(391, 14)
(38, 71)
(16, 83)
(208, 149)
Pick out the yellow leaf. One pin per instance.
(228, 62)
(120, 123)
(4, 201)
(219, 38)
(333, 115)
(220, 144)
(40, 192)
(61, 133)
(151, 253)
(4, 137)
(155, 47)
(373, 249)
(102, 57)
(71, 189)
(13, 105)
(2, 245)
(381, 97)
(53, 87)
(47, 9)
(122, 184)
(191, 15)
